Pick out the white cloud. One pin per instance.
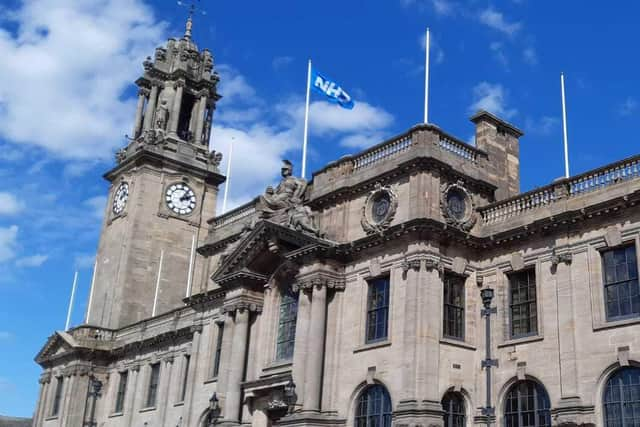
(263, 134)
(96, 204)
(498, 52)
(496, 20)
(437, 54)
(84, 261)
(628, 107)
(492, 98)
(280, 62)
(9, 204)
(530, 56)
(32, 261)
(440, 7)
(545, 125)
(65, 71)
(8, 242)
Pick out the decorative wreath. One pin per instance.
(379, 209)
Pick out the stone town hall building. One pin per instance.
(361, 298)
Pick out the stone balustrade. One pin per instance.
(564, 188)
(84, 332)
(605, 176)
(381, 152)
(458, 148)
(236, 214)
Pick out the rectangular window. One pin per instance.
(523, 304)
(621, 290)
(453, 309)
(57, 397)
(122, 390)
(185, 377)
(218, 351)
(154, 379)
(287, 325)
(378, 310)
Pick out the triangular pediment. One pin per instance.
(261, 250)
(57, 344)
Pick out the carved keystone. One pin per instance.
(459, 265)
(517, 261)
(613, 236)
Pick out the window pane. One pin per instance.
(377, 309)
(287, 325)
(620, 281)
(523, 304)
(527, 404)
(622, 398)
(373, 408)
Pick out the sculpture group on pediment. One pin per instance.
(284, 203)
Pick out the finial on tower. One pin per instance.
(187, 32)
(192, 10)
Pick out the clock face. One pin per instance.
(120, 198)
(180, 198)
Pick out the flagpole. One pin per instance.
(426, 78)
(155, 297)
(306, 123)
(564, 128)
(226, 186)
(73, 293)
(93, 282)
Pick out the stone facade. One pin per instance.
(279, 326)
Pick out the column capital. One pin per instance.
(319, 275)
(45, 378)
(243, 299)
(179, 83)
(143, 91)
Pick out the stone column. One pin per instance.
(137, 125)
(192, 374)
(174, 115)
(301, 340)
(236, 366)
(200, 118)
(315, 355)
(151, 108)
(130, 394)
(39, 416)
(164, 397)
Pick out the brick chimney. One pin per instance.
(500, 140)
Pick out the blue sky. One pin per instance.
(66, 100)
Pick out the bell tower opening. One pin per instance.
(186, 122)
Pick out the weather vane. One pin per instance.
(192, 10)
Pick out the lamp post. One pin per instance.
(95, 387)
(487, 296)
(290, 395)
(214, 410)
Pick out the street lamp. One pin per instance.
(214, 410)
(487, 296)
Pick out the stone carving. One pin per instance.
(147, 64)
(214, 158)
(161, 54)
(557, 258)
(283, 204)
(162, 114)
(379, 209)
(153, 137)
(457, 206)
(121, 154)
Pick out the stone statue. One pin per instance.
(283, 204)
(287, 194)
(215, 158)
(121, 154)
(162, 114)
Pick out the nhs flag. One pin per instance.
(331, 90)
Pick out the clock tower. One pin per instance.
(163, 189)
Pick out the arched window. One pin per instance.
(527, 405)
(454, 413)
(287, 324)
(622, 399)
(374, 407)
